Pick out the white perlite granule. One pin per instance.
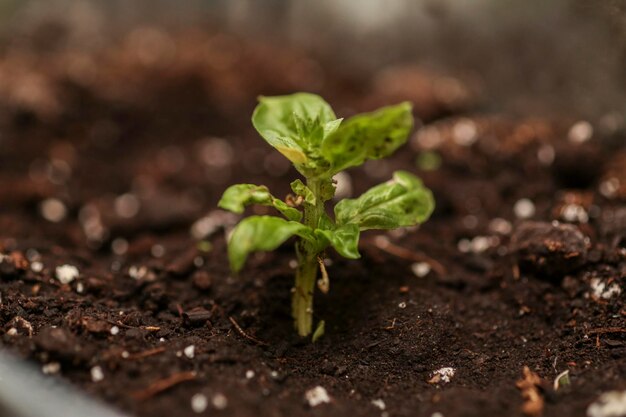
(199, 403)
(546, 154)
(574, 213)
(500, 225)
(36, 266)
(316, 396)
(610, 404)
(51, 368)
(53, 210)
(127, 205)
(602, 289)
(420, 269)
(96, 374)
(464, 132)
(219, 401)
(67, 273)
(379, 403)
(524, 208)
(444, 374)
(580, 132)
(190, 351)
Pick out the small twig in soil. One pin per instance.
(146, 353)
(162, 385)
(126, 326)
(385, 245)
(604, 330)
(152, 328)
(392, 326)
(516, 272)
(244, 334)
(118, 323)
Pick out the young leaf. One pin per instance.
(327, 190)
(368, 136)
(237, 197)
(319, 331)
(261, 233)
(295, 125)
(345, 240)
(403, 201)
(325, 222)
(300, 189)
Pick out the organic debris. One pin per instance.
(163, 384)
(529, 385)
(442, 375)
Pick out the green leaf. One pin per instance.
(237, 197)
(345, 240)
(319, 331)
(326, 223)
(296, 125)
(327, 190)
(368, 136)
(403, 201)
(300, 189)
(261, 233)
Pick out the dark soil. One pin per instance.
(126, 139)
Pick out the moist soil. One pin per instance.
(112, 161)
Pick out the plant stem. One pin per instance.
(302, 301)
(306, 273)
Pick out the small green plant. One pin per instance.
(304, 128)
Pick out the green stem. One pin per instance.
(306, 273)
(302, 301)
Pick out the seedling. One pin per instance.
(304, 128)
